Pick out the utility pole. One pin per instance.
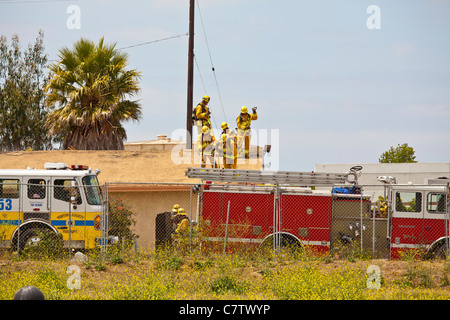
(190, 85)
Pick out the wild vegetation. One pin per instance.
(123, 274)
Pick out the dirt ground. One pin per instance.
(115, 166)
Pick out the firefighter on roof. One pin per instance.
(206, 146)
(202, 115)
(232, 135)
(226, 129)
(227, 147)
(243, 122)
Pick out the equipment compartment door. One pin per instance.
(318, 219)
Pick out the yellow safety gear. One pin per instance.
(202, 114)
(181, 211)
(205, 129)
(229, 151)
(206, 99)
(183, 226)
(204, 140)
(244, 121)
(224, 125)
(205, 147)
(175, 208)
(244, 109)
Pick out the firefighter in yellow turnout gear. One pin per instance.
(230, 146)
(229, 154)
(206, 147)
(182, 222)
(243, 122)
(202, 115)
(182, 226)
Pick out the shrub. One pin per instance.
(226, 283)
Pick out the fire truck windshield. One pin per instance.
(92, 188)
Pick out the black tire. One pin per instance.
(29, 236)
(288, 244)
(439, 253)
(34, 236)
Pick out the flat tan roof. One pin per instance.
(115, 165)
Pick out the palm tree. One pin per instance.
(88, 95)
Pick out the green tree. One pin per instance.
(22, 111)
(400, 154)
(88, 94)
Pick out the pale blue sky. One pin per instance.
(336, 91)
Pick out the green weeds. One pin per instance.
(168, 274)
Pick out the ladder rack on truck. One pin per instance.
(269, 177)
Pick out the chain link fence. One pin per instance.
(60, 217)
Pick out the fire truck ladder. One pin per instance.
(269, 177)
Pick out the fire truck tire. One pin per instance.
(437, 252)
(33, 236)
(288, 243)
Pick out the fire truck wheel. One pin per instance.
(288, 244)
(33, 236)
(438, 252)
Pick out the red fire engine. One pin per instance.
(419, 218)
(257, 209)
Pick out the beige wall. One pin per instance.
(147, 204)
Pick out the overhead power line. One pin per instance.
(32, 1)
(143, 43)
(153, 41)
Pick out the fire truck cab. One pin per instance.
(419, 219)
(58, 199)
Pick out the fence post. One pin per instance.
(20, 221)
(105, 222)
(69, 222)
(190, 225)
(226, 228)
(276, 222)
(447, 223)
(361, 223)
(373, 225)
